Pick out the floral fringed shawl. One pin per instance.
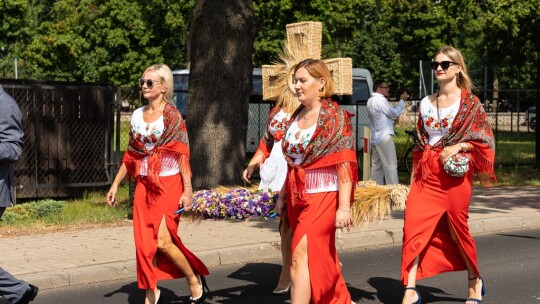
(267, 141)
(174, 140)
(471, 126)
(332, 144)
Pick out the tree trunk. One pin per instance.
(222, 39)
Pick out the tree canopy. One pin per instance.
(112, 41)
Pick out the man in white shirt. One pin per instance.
(381, 117)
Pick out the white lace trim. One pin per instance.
(169, 165)
(322, 180)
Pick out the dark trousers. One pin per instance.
(11, 289)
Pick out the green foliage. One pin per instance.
(91, 209)
(32, 211)
(99, 41)
(113, 41)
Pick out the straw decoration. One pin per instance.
(303, 42)
(373, 202)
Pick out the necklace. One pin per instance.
(306, 117)
(159, 110)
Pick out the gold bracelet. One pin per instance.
(344, 210)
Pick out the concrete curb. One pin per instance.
(358, 239)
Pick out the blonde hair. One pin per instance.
(289, 105)
(318, 69)
(166, 78)
(463, 80)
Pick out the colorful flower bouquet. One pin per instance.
(372, 203)
(237, 203)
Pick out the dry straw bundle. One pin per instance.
(303, 42)
(373, 202)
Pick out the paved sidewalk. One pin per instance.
(98, 255)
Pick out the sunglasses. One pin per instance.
(149, 82)
(444, 65)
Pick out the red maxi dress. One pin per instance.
(437, 199)
(327, 154)
(157, 195)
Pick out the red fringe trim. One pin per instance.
(183, 164)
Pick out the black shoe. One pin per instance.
(202, 297)
(29, 295)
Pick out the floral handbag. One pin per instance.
(457, 165)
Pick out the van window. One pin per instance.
(181, 92)
(360, 96)
(256, 85)
(181, 84)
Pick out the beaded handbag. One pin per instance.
(457, 165)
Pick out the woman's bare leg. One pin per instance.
(286, 238)
(169, 249)
(475, 286)
(410, 295)
(151, 296)
(301, 283)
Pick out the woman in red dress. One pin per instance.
(322, 169)
(273, 170)
(158, 157)
(436, 235)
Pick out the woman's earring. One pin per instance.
(321, 89)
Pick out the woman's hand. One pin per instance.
(248, 172)
(254, 163)
(186, 200)
(280, 204)
(449, 151)
(343, 219)
(111, 195)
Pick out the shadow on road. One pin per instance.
(391, 291)
(135, 295)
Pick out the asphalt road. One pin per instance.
(510, 264)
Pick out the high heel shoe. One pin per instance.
(202, 297)
(280, 291)
(419, 301)
(482, 291)
(159, 298)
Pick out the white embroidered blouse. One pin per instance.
(150, 133)
(431, 120)
(317, 180)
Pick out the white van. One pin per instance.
(259, 109)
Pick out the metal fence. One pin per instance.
(67, 136)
